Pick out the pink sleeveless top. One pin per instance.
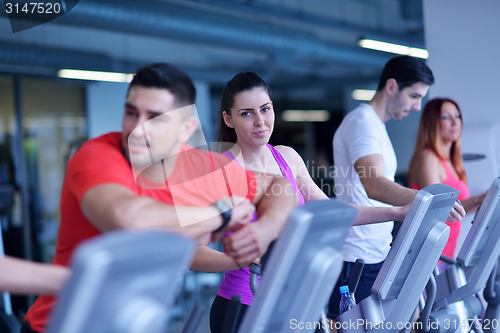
(455, 226)
(237, 282)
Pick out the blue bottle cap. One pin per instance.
(344, 289)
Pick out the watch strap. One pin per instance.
(225, 212)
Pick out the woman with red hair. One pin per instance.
(438, 159)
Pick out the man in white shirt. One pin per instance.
(366, 165)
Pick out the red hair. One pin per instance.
(429, 137)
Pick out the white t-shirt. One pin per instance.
(360, 134)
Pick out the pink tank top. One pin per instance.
(237, 282)
(455, 226)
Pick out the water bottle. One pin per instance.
(346, 301)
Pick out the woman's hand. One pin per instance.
(457, 212)
(256, 261)
(247, 243)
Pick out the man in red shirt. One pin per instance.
(148, 177)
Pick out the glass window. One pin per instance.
(54, 122)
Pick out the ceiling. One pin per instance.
(304, 48)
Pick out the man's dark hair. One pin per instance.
(166, 76)
(406, 71)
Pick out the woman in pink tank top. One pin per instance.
(438, 159)
(246, 125)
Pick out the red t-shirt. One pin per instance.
(199, 179)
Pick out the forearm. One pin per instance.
(312, 192)
(389, 192)
(472, 204)
(275, 207)
(24, 277)
(250, 241)
(187, 221)
(111, 207)
(367, 215)
(208, 260)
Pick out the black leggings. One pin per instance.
(218, 312)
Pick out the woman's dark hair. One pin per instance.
(238, 84)
(406, 71)
(166, 76)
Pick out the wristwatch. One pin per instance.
(225, 211)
